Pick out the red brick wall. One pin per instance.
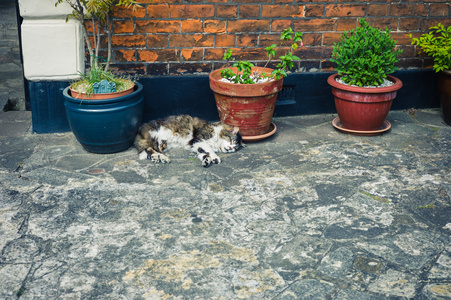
(175, 37)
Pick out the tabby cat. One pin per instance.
(190, 133)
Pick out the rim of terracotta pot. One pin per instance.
(103, 96)
(137, 88)
(447, 72)
(244, 90)
(365, 90)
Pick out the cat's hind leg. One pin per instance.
(206, 154)
(150, 148)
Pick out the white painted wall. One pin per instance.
(53, 49)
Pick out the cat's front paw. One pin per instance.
(158, 157)
(206, 161)
(142, 155)
(215, 159)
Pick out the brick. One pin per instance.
(327, 65)
(312, 39)
(192, 11)
(124, 55)
(329, 38)
(253, 1)
(252, 54)
(314, 10)
(282, 11)
(196, 40)
(401, 38)
(405, 63)
(214, 26)
(428, 63)
(128, 40)
(280, 25)
(147, 55)
(247, 40)
(128, 68)
(269, 39)
(157, 41)
(157, 69)
(408, 10)
(213, 54)
(282, 1)
(125, 26)
(407, 24)
(89, 28)
(248, 26)
(158, 11)
(249, 11)
(315, 52)
(225, 40)
(158, 26)
(439, 10)
(226, 11)
(346, 10)
(408, 50)
(219, 65)
(189, 68)
(346, 24)
(158, 55)
(428, 22)
(318, 1)
(309, 65)
(314, 25)
(123, 12)
(193, 26)
(377, 10)
(193, 54)
(383, 23)
(158, 1)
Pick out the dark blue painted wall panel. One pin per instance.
(47, 106)
(169, 95)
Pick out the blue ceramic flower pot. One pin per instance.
(105, 126)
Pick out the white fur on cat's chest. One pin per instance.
(172, 140)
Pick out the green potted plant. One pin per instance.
(104, 111)
(437, 43)
(246, 95)
(362, 88)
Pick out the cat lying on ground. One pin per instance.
(190, 133)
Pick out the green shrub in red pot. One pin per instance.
(362, 88)
(437, 43)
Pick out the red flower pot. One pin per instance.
(444, 88)
(247, 106)
(363, 109)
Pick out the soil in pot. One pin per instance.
(79, 90)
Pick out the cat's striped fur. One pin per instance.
(188, 132)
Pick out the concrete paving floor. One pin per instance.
(310, 213)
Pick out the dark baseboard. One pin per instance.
(303, 94)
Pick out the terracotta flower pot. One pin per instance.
(247, 106)
(444, 89)
(363, 109)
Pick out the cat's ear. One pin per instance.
(235, 130)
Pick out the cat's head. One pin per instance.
(230, 139)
